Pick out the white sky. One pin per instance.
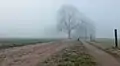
(36, 18)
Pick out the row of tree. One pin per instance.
(71, 21)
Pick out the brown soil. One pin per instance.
(30, 55)
(103, 58)
(33, 55)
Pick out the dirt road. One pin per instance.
(103, 58)
(30, 55)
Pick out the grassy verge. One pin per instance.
(115, 52)
(73, 56)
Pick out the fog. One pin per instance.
(37, 18)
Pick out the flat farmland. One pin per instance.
(15, 42)
(107, 42)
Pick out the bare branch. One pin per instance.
(68, 18)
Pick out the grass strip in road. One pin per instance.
(73, 56)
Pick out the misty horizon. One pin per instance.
(37, 18)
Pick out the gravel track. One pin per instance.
(30, 55)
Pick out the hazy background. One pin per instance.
(37, 18)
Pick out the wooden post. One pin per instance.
(116, 40)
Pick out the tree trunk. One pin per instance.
(69, 34)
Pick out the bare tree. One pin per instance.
(68, 19)
(86, 29)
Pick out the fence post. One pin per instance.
(116, 39)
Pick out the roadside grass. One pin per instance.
(16, 42)
(73, 56)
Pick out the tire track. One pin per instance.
(30, 55)
(103, 58)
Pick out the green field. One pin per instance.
(106, 42)
(15, 42)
